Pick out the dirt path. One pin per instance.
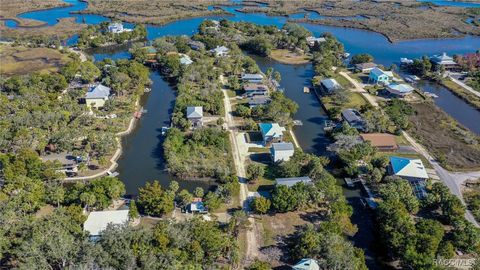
(240, 152)
(453, 180)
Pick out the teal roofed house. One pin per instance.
(379, 76)
(412, 170)
(271, 132)
(306, 264)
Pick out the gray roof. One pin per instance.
(365, 65)
(252, 76)
(282, 147)
(258, 100)
(98, 91)
(194, 112)
(291, 181)
(352, 116)
(331, 84)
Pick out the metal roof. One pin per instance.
(98, 91)
(194, 112)
(282, 147)
(291, 181)
(99, 220)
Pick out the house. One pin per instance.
(330, 85)
(411, 170)
(117, 28)
(197, 206)
(353, 118)
(98, 221)
(399, 89)
(379, 76)
(444, 60)
(271, 132)
(255, 101)
(185, 59)
(381, 141)
(195, 116)
(306, 264)
(311, 40)
(281, 151)
(97, 95)
(252, 78)
(220, 51)
(365, 67)
(196, 45)
(291, 181)
(255, 89)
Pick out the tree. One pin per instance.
(260, 205)
(184, 198)
(255, 172)
(133, 211)
(401, 191)
(361, 58)
(259, 265)
(198, 192)
(284, 199)
(89, 71)
(155, 201)
(173, 186)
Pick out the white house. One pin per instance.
(306, 264)
(311, 40)
(282, 151)
(330, 85)
(252, 78)
(443, 60)
(411, 170)
(291, 181)
(185, 59)
(271, 132)
(97, 95)
(365, 67)
(220, 51)
(99, 220)
(117, 28)
(195, 116)
(399, 89)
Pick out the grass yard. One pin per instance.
(23, 60)
(289, 57)
(258, 150)
(262, 184)
(356, 100)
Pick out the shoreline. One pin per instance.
(464, 96)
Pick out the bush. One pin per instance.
(260, 205)
(254, 172)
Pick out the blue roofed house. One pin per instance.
(97, 95)
(271, 132)
(411, 170)
(379, 76)
(306, 264)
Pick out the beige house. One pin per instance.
(97, 96)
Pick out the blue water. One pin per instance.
(453, 4)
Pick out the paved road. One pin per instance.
(466, 87)
(239, 156)
(453, 180)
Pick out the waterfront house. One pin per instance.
(365, 67)
(306, 264)
(444, 60)
(282, 151)
(98, 221)
(197, 206)
(195, 116)
(271, 132)
(252, 78)
(185, 59)
(220, 51)
(255, 89)
(311, 40)
(117, 28)
(411, 170)
(291, 181)
(330, 85)
(354, 119)
(97, 95)
(399, 89)
(381, 141)
(379, 76)
(196, 45)
(255, 101)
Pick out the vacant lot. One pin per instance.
(153, 11)
(289, 57)
(22, 60)
(453, 145)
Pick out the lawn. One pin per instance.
(289, 57)
(356, 101)
(22, 60)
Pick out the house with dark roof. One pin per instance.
(252, 89)
(282, 151)
(255, 101)
(365, 67)
(196, 45)
(411, 170)
(271, 132)
(354, 119)
(195, 116)
(97, 96)
(291, 181)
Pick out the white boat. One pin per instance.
(406, 61)
(430, 94)
(164, 130)
(346, 55)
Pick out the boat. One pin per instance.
(147, 89)
(297, 123)
(113, 174)
(430, 94)
(346, 55)
(164, 130)
(406, 61)
(306, 89)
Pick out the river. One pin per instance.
(142, 159)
